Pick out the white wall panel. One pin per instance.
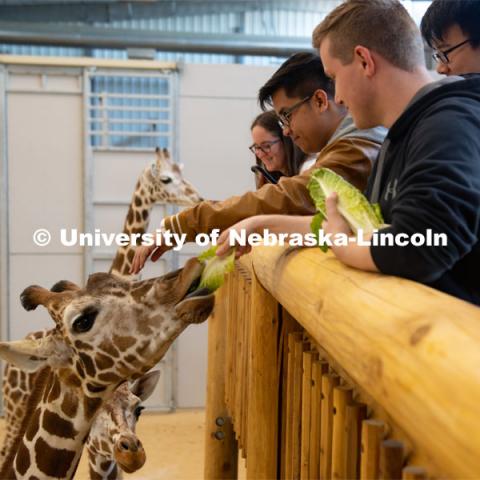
(216, 107)
(45, 168)
(115, 173)
(216, 81)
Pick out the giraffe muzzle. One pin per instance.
(129, 454)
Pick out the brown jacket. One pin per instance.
(349, 156)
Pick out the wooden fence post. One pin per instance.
(221, 450)
(263, 391)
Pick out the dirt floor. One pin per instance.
(174, 445)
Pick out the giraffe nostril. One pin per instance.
(124, 445)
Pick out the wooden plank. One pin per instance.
(372, 434)
(329, 382)
(220, 448)
(391, 460)
(288, 325)
(229, 341)
(306, 415)
(239, 374)
(231, 331)
(246, 367)
(290, 407)
(242, 379)
(319, 368)
(299, 347)
(86, 62)
(263, 386)
(342, 396)
(414, 473)
(354, 416)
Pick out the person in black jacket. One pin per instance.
(452, 29)
(427, 176)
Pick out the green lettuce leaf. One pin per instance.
(315, 226)
(352, 204)
(216, 268)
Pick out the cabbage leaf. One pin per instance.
(216, 268)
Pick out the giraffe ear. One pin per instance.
(145, 385)
(28, 354)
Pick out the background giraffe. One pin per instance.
(107, 332)
(160, 182)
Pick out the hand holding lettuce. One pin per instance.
(352, 204)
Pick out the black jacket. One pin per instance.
(430, 179)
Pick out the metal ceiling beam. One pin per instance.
(101, 37)
(103, 12)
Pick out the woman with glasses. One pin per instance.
(452, 29)
(275, 154)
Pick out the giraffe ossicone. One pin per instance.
(110, 331)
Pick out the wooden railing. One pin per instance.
(316, 370)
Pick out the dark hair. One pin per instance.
(300, 75)
(383, 26)
(442, 14)
(294, 156)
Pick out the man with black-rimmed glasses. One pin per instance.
(452, 29)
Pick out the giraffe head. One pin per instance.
(164, 182)
(112, 329)
(112, 436)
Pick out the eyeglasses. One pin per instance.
(442, 55)
(285, 117)
(265, 147)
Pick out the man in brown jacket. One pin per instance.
(303, 98)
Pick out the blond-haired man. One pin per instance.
(427, 176)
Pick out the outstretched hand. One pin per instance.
(248, 225)
(143, 252)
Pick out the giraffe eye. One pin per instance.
(165, 179)
(138, 411)
(85, 321)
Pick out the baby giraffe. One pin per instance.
(112, 442)
(110, 331)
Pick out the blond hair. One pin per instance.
(383, 26)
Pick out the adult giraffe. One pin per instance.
(160, 182)
(104, 334)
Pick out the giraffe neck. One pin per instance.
(136, 221)
(56, 424)
(17, 387)
(102, 468)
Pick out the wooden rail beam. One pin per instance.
(414, 350)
